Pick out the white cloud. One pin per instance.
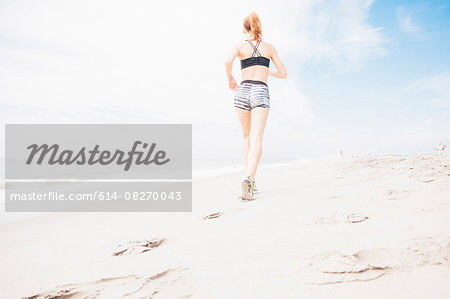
(335, 33)
(405, 21)
(435, 88)
(141, 61)
(407, 25)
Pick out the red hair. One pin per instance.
(253, 25)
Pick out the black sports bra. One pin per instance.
(255, 60)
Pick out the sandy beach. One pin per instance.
(372, 227)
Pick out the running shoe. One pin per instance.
(255, 189)
(247, 189)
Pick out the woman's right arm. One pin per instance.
(281, 70)
(234, 52)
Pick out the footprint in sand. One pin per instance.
(427, 172)
(136, 247)
(394, 194)
(213, 216)
(218, 214)
(340, 217)
(336, 267)
(172, 283)
(369, 264)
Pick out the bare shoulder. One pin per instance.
(240, 44)
(269, 45)
(236, 49)
(270, 48)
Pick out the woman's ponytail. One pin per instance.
(253, 24)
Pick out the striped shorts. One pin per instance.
(252, 94)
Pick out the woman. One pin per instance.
(252, 100)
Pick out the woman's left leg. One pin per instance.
(245, 120)
(258, 123)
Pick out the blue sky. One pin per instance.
(387, 93)
(364, 76)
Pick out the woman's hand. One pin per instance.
(229, 66)
(232, 84)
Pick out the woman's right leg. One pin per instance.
(245, 120)
(258, 123)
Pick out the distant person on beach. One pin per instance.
(252, 99)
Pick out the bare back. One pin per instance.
(256, 72)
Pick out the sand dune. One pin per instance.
(355, 228)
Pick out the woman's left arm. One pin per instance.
(234, 52)
(281, 70)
